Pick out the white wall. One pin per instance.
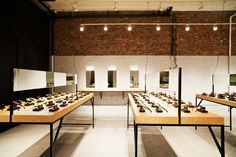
(196, 70)
(25, 79)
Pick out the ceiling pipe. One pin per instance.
(154, 24)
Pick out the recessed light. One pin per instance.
(158, 28)
(105, 28)
(81, 28)
(187, 28)
(129, 28)
(215, 28)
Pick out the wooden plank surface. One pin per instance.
(171, 117)
(217, 100)
(111, 90)
(43, 116)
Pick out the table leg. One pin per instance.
(195, 101)
(222, 141)
(128, 115)
(51, 140)
(58, 130)
(230, 118)
(92, 102)
(136, 139)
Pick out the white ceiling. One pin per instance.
(141, 5)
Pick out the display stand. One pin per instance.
(175, 118)
(230, 104)
(101, 91)
(27, 116)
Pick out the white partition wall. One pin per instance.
(29, 79)
(59, 79)
(196, 71)
(221, 83)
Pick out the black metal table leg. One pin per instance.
(92, 103)
(199, 102)
(58, 130)
(230, 118)
(51, 140)
(136, 139)
(222, 141)
(100, 94)
(195, 101)
(128, 115)
(221, 147)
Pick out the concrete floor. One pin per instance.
(111, 138)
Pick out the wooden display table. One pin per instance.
(112, 90)
(169, 117)
(225, 102)
(27, 116)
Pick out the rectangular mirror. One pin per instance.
(70, 79)
(111, 79)
(90, 79)
(164, 79)
(134, 79)
(232, 80)
(50, 79)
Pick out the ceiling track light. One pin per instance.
(129, 28)
(187, 28)
(215, 28)
(105, 28)
(158, 28)
(81, 28)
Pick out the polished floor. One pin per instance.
(111, 138)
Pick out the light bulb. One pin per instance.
(81, 28)
(158, 28)
(105, 28)
(129, 28)
(187, 28)
(215, 28)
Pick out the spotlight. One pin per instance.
(81, 28)
(105, 28)
(129, 28)
(158, 28)
(187, 28)
(215, 28)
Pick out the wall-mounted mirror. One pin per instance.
(134, 79)
(50, 79)
(90, 79)
(164, 79)
(232, 80)
(70, 79)
(111, 79)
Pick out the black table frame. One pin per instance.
(221, 147)
(197, 104)
(53, 141)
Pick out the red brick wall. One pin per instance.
(143, 40)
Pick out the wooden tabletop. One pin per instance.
(43, 116)
(171, 117)
(112, 90)
(217, 100)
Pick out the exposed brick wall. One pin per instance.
(143, 40)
